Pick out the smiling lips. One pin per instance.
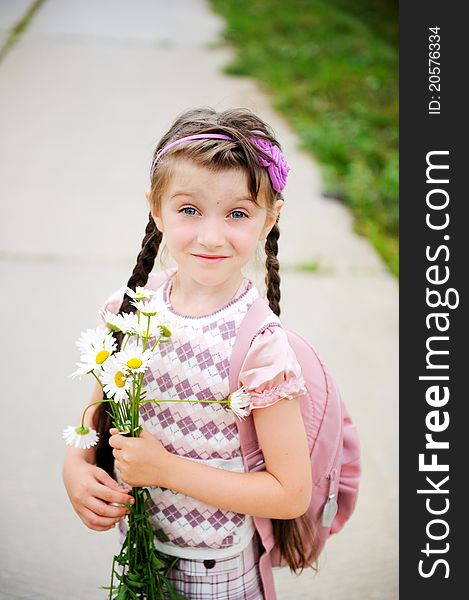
(209, 258)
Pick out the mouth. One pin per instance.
(209, 258)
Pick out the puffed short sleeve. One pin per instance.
(270, 370)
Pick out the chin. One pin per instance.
(205, 277)
(209, 275)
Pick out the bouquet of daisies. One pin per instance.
(139, 570)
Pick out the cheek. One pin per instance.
(248, 237)
(179, 232)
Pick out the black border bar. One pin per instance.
(434, 166)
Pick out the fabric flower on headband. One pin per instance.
(277, 167)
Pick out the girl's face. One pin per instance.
(211, 225)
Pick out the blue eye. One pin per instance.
(240, 214)
(188, 208)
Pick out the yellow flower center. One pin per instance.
(134, 363)
(101, 356)
(119, 379)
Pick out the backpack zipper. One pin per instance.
(330, 506)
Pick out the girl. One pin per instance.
(216, 193)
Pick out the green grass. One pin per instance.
(307, 267)
(331, 67)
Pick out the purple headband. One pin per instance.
(277, 165)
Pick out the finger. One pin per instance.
(113, 431)
(103, 509)
(102, 492)
(116, 441)
(103, 477)
(118, 468)
(96, 522)
(119, 460)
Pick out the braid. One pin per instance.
(145, 261)
(272, 277)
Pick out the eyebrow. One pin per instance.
(183, 193)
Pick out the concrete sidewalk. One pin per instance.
(85, 95)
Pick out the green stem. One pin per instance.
(132, 400)
(148, 333)
(97, 378)
(140, 383)
(136, 405)
(178, 400)
(128, 336)
(157, 341)
(89, 406)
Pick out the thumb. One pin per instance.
(146, 434)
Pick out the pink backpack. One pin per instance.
(332, 439)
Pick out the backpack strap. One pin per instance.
(250, 325)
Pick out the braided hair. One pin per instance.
(272, 268)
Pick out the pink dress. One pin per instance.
(194, 364)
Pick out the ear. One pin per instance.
(156, 218)
(158, 221)
(271, 219)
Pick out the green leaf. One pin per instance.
(123, 593)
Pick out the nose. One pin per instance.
(210, 234)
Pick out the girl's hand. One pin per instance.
(91, 490)
(141, 461)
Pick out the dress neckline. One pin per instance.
(246, 285)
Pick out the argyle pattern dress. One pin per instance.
(194, 364)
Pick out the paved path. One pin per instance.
(84, 96)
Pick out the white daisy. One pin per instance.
(164, 331)
(111, 319)
(96, 348)
(146, 308)
(238, 401)
(83, 369)
(94, 338)
(116, 383)
(124, 322)
(80, 437)
(128, 323)
(148, 332)
(141, 293)
(134, 359)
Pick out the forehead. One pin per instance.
(192, 178)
